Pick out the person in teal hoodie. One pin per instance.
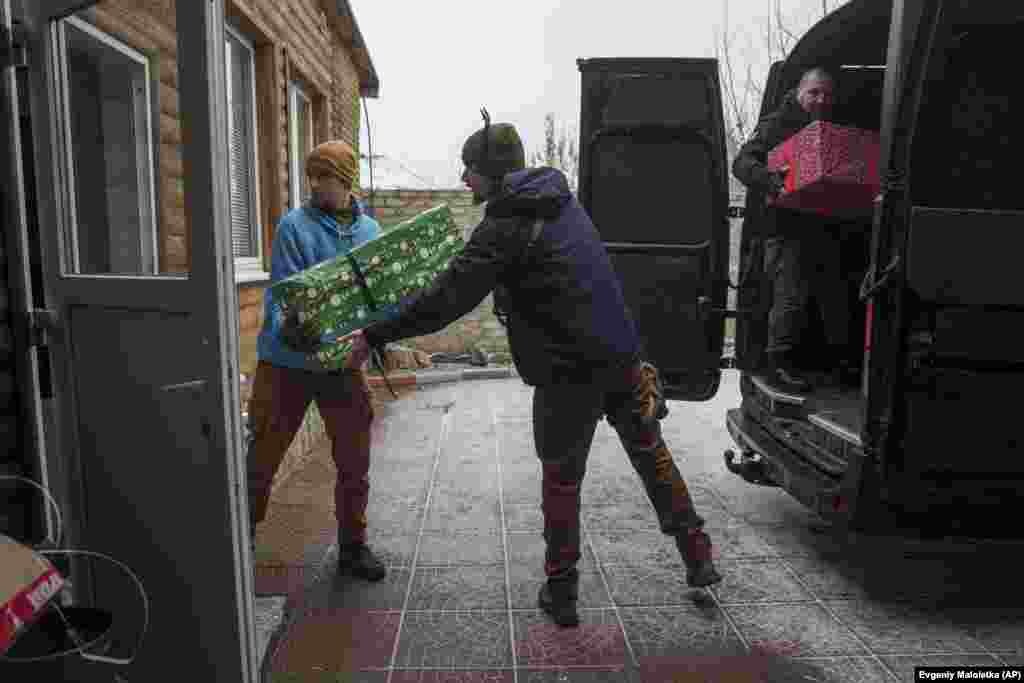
(330, 224)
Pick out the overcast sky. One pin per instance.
(439, 62)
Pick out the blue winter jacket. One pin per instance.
(305, 237)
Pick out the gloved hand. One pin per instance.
(295, 335)
(775, 181)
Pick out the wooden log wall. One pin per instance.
(292, 40)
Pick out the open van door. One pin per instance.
(654, 179)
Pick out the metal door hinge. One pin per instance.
(37, 326)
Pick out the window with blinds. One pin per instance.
(241, 95)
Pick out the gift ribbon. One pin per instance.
(372, 304)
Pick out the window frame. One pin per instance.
(150, 248)
(247, 267)
(295, 156)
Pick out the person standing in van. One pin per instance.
(802, 253)
(330, 224)
(572, 337)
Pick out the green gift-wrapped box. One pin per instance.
(369, 283)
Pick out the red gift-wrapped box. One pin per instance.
(833, 170)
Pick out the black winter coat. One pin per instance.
(751, 167)
(567, 318)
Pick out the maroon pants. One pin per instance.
(565, 418)
(280, 398)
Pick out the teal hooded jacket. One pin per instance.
(305, 237)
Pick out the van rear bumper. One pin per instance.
(831, 497)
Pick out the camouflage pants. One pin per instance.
(565, 418)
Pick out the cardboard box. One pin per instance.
(28, 582)
(833, 170)
(329, 299)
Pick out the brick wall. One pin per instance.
(479, 328)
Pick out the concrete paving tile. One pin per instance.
(596, 641)
(391, 517)
(459, 451)
(794, 631)
(611, 488)
(439, 549)
(454, 676)
(516, 450)
(764, 580)
(525, 582)
(626, 516)
(334, 591)
(329, 677)
(458, 588)
(415, 471)
(455, 640)
(528, 549)
(339, 640)
(903, 629)
(798, 541)
(451, 514)
(471, 482)
(679, 631)
(574, 675)
(395, 487)
(521, 485)
(732, 539)
(640, 548)
(834, 670)
(757, 668)
(903, 666)
(886, 578)
(829, 578)
(648, 585)
(1000, 629)
(523, 517)
(772, 508)
(483, 470)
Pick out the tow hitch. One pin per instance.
(750, 466)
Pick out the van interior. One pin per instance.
(961, 158)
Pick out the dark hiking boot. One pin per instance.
(558, 599)
(695, 549)
(359, 560)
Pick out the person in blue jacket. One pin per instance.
(572, 337)
(330, 224)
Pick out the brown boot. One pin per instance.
(695, 549)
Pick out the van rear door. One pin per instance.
(653, 177)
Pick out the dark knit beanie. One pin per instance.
(494, 150)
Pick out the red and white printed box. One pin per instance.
(28, 582)
(832, 170)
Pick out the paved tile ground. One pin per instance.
(455, 514)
